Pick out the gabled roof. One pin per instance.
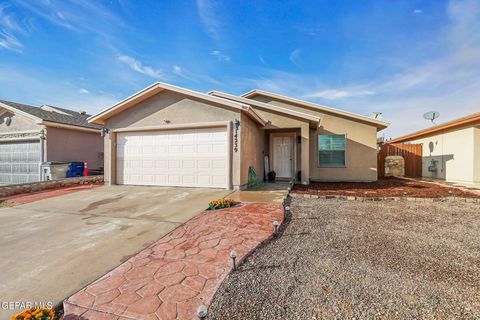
(377, 123)
(49, 114)
(157, 87)
(470, 120)
(261, 105)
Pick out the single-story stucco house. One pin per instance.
(32, 135)
(451, 151)
(170, 136)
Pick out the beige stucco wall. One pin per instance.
(252, 148)
(19, 123)
(66, 145)
(178, 109)
(454, 151)
(361, 153)
(476, 150)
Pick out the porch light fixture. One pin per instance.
(104, 131)
(275, 227)
(233, 256)
(202, 312)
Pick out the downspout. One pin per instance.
(43, 151)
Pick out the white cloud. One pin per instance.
(48, 88)
(207, 11)
(334, 94)
(195, 77)
(139, 67)
(9, 27)
(78, 16)
(83, 90)
(294, 56)
(417, 11)
(220, 55)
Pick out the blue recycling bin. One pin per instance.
(75, 169)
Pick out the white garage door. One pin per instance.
(19, 162)
(186, 158)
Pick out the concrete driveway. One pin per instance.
(51, 248)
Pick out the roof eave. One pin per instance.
(259, 104)
(378, 123)
(100, 117)
(25, 114)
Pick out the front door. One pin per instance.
(283, 156)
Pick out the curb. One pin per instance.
(367, 198)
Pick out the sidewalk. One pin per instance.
(174, 276)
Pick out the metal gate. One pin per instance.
(19, 162)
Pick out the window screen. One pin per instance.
(331, 150)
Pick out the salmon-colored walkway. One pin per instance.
(174, 276)
(40, 195)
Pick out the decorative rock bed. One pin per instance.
(16, 189)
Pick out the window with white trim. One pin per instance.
(331, 150)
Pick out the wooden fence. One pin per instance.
(412, 153)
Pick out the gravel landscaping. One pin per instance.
(339, 259)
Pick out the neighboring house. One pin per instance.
(32, 135)
(451, 151)
(170, 136)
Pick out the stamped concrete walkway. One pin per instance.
(174, 276)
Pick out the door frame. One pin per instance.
(293, 136)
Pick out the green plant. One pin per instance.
(220, 204)
(253, 180)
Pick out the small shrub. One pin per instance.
(220, 204)
(35, 314)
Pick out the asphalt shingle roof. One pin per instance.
(73, 118)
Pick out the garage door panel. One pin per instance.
(190, 158)
(19, 162)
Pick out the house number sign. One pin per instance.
(235, 135)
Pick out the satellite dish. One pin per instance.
(431, 115)
(376, 115)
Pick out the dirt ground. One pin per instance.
(386, 187)
(338, 259)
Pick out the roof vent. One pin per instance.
(82, 112)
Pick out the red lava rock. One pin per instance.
(384, 187)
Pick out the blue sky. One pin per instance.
(399, 57)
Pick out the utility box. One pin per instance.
(54, 170)
(394, 166)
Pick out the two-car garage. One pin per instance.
(188, 158)
(165, 135)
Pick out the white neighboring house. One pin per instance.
(31, 135)
(451, 150)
